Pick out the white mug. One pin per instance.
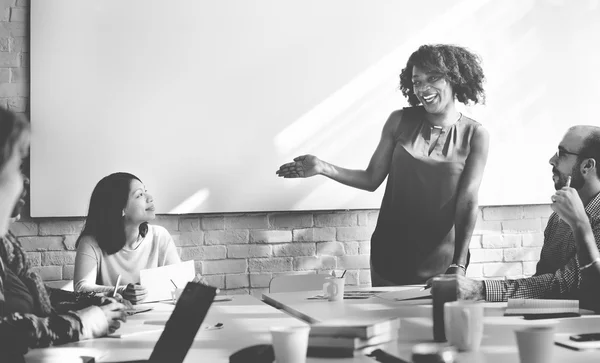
(463, 321)
(333, 288)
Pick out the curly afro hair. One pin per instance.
(458, 65)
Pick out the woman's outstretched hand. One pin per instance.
(302, 167)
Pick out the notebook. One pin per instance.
(181, 328)
(542, 308)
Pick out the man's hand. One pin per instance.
(469, 289)
(569, 207)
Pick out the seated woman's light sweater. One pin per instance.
(96, 271)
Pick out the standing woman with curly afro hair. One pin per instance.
(433, 157)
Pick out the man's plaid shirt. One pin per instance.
(557, 273)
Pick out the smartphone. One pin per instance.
(588, 337)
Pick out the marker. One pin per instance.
(568, 184)
(116, 286)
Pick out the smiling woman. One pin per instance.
(118, 241)
(433, 157)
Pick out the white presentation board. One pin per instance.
(203, 100)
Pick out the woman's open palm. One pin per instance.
(302, 167)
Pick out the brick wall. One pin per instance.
(241, 253)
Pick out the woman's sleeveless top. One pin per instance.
(414, 237)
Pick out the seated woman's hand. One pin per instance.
(135, 293)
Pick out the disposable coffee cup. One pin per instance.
(290, 343)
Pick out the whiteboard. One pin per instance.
(203, 100)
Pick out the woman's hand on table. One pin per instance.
(135, 293)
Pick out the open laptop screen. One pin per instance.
(181, 328)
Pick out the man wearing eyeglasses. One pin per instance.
(569, 265)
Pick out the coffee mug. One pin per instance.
(463, 322)
(333, 288)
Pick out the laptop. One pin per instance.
(181, 328)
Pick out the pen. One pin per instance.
(568, 184)
(173, 283)
(116, 286)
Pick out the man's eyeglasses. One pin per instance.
(560, 152)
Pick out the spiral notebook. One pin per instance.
(542, 308)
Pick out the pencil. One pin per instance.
(116, 286)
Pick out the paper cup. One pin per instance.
(463, 323)
(290, 343)
(535, 344)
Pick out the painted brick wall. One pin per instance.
(241, 253)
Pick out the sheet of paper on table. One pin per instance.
(158, 280)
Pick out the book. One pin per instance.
(541, 307)
(407, 294)
(324, 341)
(364, 328)
(328, 352)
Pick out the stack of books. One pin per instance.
(350, 336)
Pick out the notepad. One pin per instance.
(159, 281)
(127, 330)
(64, 354)
(541, 307)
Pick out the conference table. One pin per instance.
(498, 344)
(245, 321)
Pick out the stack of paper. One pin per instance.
(346, 337)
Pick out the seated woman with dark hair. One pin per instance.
(117, 239)
(27, 316)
